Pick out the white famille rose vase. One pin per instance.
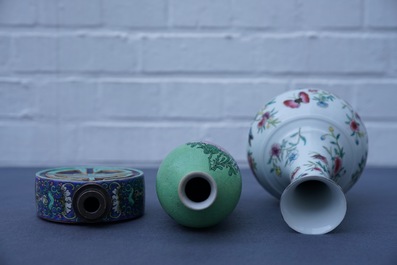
(308, 147)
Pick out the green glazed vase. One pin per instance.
(198, 184)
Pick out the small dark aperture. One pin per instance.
(198, 189)
(91, 204)
(313, 195)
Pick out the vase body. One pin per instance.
(311, 136)
(198, 184)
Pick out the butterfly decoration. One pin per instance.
(296, 103)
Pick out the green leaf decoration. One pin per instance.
(303, 139)
(51, 200)
(217, 159)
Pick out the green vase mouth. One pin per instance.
(197, 190)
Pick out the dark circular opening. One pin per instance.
(312, 195)
(197, 189)
(91, 204)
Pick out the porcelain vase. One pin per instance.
(198, 184)
(308, 148)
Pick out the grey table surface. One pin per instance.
(254, 233)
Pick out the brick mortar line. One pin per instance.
(114, 123)
(178, 75)
(29, 79)
(198, 34)
(290, 81)
(189, 29)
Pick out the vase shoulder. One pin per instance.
(290, 139)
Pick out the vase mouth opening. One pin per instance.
(313, 205)
(91, 202)
(197, 190)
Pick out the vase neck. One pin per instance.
(309, 151)
(313, 205)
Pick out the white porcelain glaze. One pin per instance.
(304, 135)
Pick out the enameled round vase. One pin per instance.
(198, 184)
(308, 147)
(90, 194)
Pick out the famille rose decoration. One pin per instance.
(307, 148)
(90, 194)
(198, 184)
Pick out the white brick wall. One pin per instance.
(126, 81)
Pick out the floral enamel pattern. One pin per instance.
(251, 162)
(266, 119)
(354, 122)
(334, 168)
(67, 200)
(54, 198)
(301, 175)
(360, 169)
(322, 97)
(124, 196)
(218, 159)
(284, 154)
